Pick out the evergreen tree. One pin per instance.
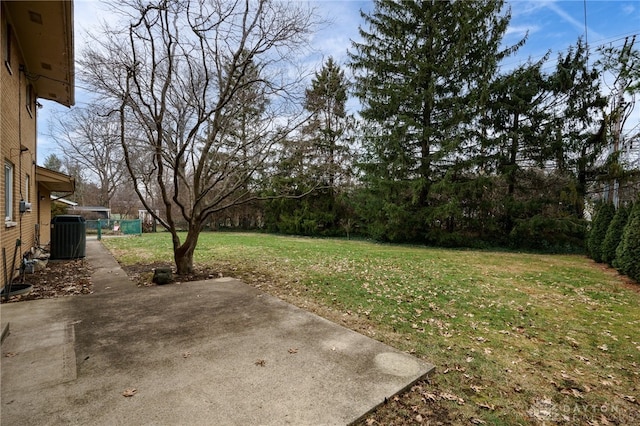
(578, 124)
(518, 124)
(52, 162)
(614, 235)
(598, 231)
(628, 251)
(518, 120)
(318, 160)
(422, 72)
(329, 124)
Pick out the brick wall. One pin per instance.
(18, 147)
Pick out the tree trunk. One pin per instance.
(513, 154)
(183, 255)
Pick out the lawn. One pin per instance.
(517, 338)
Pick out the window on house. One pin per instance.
(8, 192)
(6, 47)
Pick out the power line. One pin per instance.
(586, 34)
(600, 44)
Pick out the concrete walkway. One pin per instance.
(212, 352)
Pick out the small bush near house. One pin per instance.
(628, 252)
(614, 234)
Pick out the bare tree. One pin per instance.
(91, 142)
(175, 76)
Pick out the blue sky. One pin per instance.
(550, 24)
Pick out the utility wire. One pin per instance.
(586, 34)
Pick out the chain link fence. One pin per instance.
(114, 227)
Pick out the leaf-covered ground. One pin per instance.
(59, 278)
(517, 338)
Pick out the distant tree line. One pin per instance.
(454, 151)
(198, 116)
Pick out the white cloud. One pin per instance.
(343, 20)
(628, 9)
(520, 31)
(579, 25)
(520, 8)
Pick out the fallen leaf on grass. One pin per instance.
(452, 397)
(477, 421)
(129, 392)
(604, 420)
(629, 398)
(293, 350)
(573, 392)
(10, 354)
(419, 418)
(489, 407)
(583, 359)
(603, 348)
(370, 421)
(573, 342)
(428, 396)
(477, 388)
(261, 362)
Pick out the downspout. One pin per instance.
(20, 71)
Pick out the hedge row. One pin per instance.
(614, 238)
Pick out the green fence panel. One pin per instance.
(114, 227)
(131, 227)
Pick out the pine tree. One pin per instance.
(598, 231)
(329, 123)
(578, 122)
(422, 71)
(52, 162)
(318, 159)
(614, 235)
(517, 120)
(628, 251)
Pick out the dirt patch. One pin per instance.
(625, 281)
(60, 278)
(142, 274)
(422, 404)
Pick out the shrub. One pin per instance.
(551, 234)
(598, 231)
(628, 251)
(614, 235)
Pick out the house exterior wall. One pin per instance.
(18, 147)
(44, 218)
